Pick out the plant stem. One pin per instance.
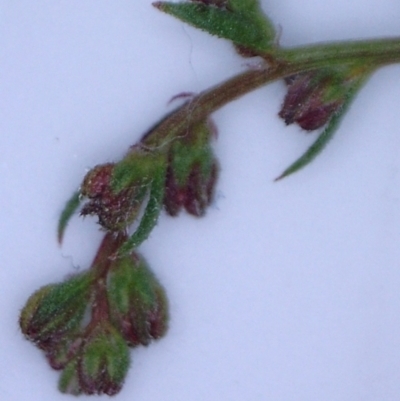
(379, 52)
(369, 54)
(101, 264)
(201, 106)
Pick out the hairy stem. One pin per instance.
(369, 54)
(101, 264)
(376, 52)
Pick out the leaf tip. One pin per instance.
(60, 236)
(158, 4)
(69, 209)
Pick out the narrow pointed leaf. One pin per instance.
(69, 210)
(150, 216)
(247, 26)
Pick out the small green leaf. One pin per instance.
(244, 25)
(150, 216)
(133, 169)
(327, 134)
(67, 213)
(136, 168)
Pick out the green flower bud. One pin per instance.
(100, 364)
(103, 361)
(138, 304)
(192, 172)
(55, 310)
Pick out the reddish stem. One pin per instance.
(101, 265)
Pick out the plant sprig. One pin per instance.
(173, 168)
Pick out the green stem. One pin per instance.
(101, 265)
(369, 54)
(375, 52)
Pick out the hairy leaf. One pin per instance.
(243, 24)
(150, 216)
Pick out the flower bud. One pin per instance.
(103, 362)
(115, 210)
(55, 310)
(100, 365)
(138, 304)
(116, 191)
(192, 172)
(313, 97)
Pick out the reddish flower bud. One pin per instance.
(195, 196)
(200, 189)
(138, 304)
(313, 98)
(192, 172)
(115, 210)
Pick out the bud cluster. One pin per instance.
(116, 191)
(313, 97)
(138, 305)
(114, 210)
(192, 172)
(86, 324)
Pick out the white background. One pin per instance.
(284, 291)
